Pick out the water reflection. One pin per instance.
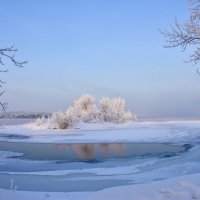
(86, 152)
(91, 151)
(118, 148)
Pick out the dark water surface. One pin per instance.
(88, 152)
(120, 162)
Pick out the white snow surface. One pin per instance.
(171, 131)
(175, 186)
(181, 188)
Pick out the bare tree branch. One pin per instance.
(8, 54)
(187, 34)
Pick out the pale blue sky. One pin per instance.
(101, 47)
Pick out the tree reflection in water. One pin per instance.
(93, 151)
(113, 148)
(85, 151)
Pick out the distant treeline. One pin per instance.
(22, 115)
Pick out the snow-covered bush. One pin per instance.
(85, 110)
(60, 120)
(41, 121)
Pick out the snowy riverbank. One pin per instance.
(175, 177)
(170, 131)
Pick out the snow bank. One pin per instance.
(184, 188)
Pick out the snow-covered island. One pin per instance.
(85, 110)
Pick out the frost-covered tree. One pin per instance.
(106, 103)
(85, 102)
(118, 109)
(85, 109)
(113, 110)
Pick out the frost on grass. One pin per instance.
(85, 110)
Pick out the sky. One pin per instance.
(100, 47)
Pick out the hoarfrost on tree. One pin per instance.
(113, 110)
(85, 110)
